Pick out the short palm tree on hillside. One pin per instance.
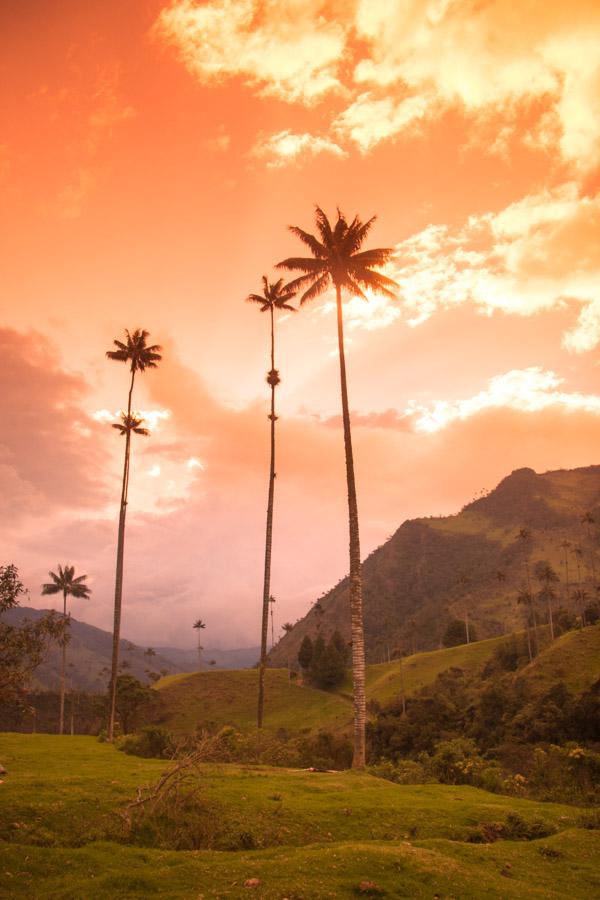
(547, 578)
(274, 296)
(199, 625)
(338, 261)
(65, 583)
(135, 352)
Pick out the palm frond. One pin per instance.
(357, 233)
(324, 228)
(50, 588)
(316, 289)
(302, 263)
(375, 257)
(379, 283)
(315, 246)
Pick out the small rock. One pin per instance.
(365, 886)
(3, 770)
(252, 882)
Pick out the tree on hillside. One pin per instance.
(305, 653)
(547, 577)
(22, 647)
(525, 599)
(456, 633)
(66, 584)
(139, 356)
(337, 260)
(328, 666)
(524, 538)
(287, 627)
(199, 625)
(587, 519)
(565, 546)
(274, 296)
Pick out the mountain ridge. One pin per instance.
(472, 563)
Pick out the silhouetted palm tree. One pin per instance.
(547, 578)
(199, 625)
(135, 352)
(337, 260)
(66, 584)
(274, 296)
(587, 519)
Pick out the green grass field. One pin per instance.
(314, 834)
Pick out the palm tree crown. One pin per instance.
(65, 583)
(136, 352)
(199, 624)
(274, 296)
(130, 423)
(336, 259)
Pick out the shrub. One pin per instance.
(457, 762)
(404, 771)
(151, 742)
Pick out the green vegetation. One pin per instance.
(302, 834)
(217, 698)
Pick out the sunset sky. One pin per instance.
(152, 156)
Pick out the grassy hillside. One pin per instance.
(435, 569)
(314, 835)
(217, 698)
(229, 698)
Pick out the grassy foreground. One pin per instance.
(313, 834)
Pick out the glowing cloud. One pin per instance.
(525, 259)
(285, 147)
(528, 390)
(272, 45)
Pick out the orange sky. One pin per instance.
(151, 157)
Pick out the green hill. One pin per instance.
(298, 834)
(435, 569)
(217, 698)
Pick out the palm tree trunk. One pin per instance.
(63, 669)
(356, 612)
(550, 619)
(268, 545)
(119, 576)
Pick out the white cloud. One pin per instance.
(369, 120)
(491, 56)
(539, 253)
(286, 48)
(528, 390)
(285, 147)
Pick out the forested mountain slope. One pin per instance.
(473, 564)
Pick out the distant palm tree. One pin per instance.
(525, 597)
(565, 545)
(587, 519)
(274, 296)
(524, 538)
(139, 356)
(66, 584)
(337, 260)
(199, 625)
(547, 578)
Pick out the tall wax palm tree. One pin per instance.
(139, 356)
(66, 584)
(547, 578)
(338, 261)
(274, 296)
(199, 625)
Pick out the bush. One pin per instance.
(457, 762)
(404, 771)
(150, 743)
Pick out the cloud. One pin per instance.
(285, 49)
(286, 147)
(401, 62)
(51, 452)
(527, 390)
(370, 120)
(491, 56)
(539, 253)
